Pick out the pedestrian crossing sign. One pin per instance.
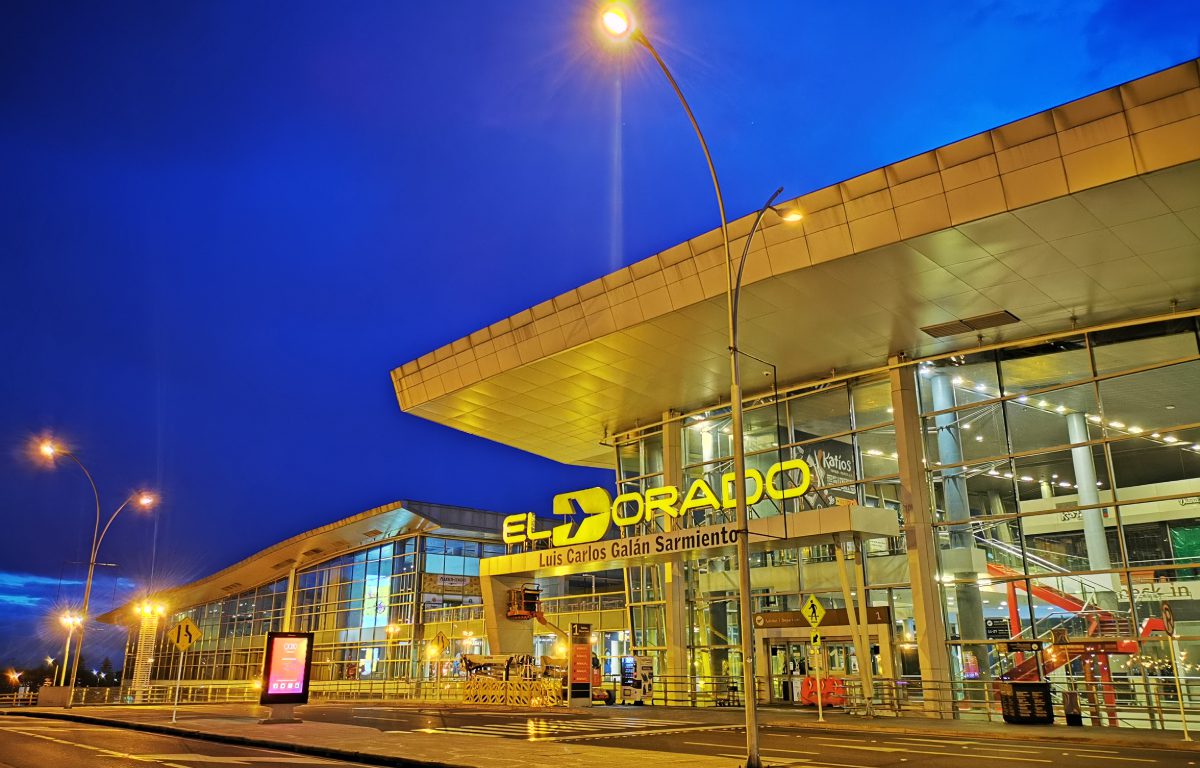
(813, 610)
(184, 634)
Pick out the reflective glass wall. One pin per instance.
(1066, 478)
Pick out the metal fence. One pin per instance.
(1149, 702)
(27, 699)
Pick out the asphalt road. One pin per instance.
(800, 747)
(30, 743)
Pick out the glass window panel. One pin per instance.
(1120, 349)
(652, 452)
(1169, 464)
(1048, 480)
(1150, 401)
(985, 489)
(1054, 362)
(877, 452)
(872, 402)
(819, 413)
(762, 427)
(706, 439)
(971, 379)
(967, 435)
(1046, 420)
(630, 460)
(1056, 541)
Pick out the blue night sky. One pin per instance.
(223, 223)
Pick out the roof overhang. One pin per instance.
(1083, 214)
(375, 526)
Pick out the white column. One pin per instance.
(1085, 479)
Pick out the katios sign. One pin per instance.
(601, 510)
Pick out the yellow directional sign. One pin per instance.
(813, 610)
(184, 634)
(814, 638)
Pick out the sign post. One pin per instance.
(580, 666)
(1168, 617)
(182, 635)
(813, 612)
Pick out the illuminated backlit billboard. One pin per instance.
(286, 667)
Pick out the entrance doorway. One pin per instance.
(791, 660)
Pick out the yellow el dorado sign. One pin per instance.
(601, 510)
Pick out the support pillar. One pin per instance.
(917, 509)
(963, 559)
(1085, 479)
(289, 601)
(678, 627)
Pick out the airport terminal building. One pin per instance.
(971, 421)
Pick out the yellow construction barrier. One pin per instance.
(520, 693)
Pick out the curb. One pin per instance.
(367, 758)
(1037, 732)
(864, 726)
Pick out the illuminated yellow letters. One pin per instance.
(753, 496)
(630, 508)
(513, 531)
(663, 501)
(699, 496)
(634, 499)
(799, 490)
(595, 503)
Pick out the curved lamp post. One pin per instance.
(143, 499)
(70, 622)
(620, 25)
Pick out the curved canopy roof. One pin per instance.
(375, 526)
(1088, 212)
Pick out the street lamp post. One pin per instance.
(145, 500)
(70, 622)
(619, 24)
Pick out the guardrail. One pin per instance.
(27, 699)
(1149, 702)
(1126, 702)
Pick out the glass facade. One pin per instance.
(1064, 479)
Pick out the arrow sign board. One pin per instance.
(1168, 617)
(813, 610)
(184, 634)
(814, 638)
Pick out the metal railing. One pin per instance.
(1147, 702)
(26, 699)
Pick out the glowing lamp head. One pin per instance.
(146, 500)
(48, 449)
(617, 22)
(791, 216)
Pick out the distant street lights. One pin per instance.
(70, 622)
(143, 499)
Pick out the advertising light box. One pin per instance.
(286, 667)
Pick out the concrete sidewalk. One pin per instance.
(238, 724)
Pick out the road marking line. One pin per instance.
(974, 745)
(642, 732)
(790, 751)
(1127, 759)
